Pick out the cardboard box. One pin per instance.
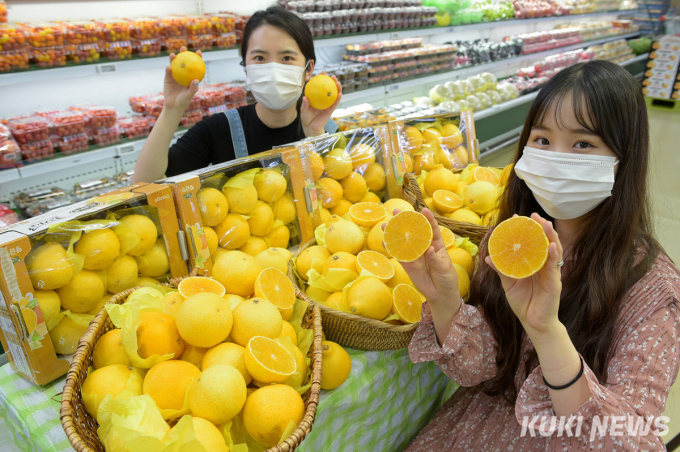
(24, 334)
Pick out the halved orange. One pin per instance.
(406, 303)
(273, 285)
(375, 263)
(268, 361)
(198, 284)
(518, 247)
(486, 175)
(407, 236)
(446, 201)
(448, 236)
(367, 214)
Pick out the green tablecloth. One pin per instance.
(384, 403)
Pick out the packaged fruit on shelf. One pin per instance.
(47, 57)
(12, 37)
(249, 205)
(173, 26)
(114, 30)
(41, 208)
(119, 50)
(96, 187)
(10, 153)
(8, 216)
(147, 48)
(61, 269)
(84, 53)
(67, 123)
(125, 178)
(105, 136)
(135, 127)
(79, 32)
(143, 28)
(3, 12)
(199, 42)
(44, 34)
(222, 23)
(173, 44)
(207, 112)
(198, 25)
(71, 144)
(191, 117)
(211, 96)
(36, 151)
(29, 129)
(100, 117)
(224, 40)
(137, 102)
(23, 200)
(13, 60)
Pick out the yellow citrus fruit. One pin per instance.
(429, 203)
(218, 394)
(312, 258)
(213, 240)
(460, 191)
(49, 303)
(506, 173)
(371, 298)
(445, 157)
(342, 207)
(344, 236)
(237, 272)
(172, 302)
(230, 354)
(367, 214)
(465, 215)
(167, 383)
(362, 156)
(427, 161)
(448, 236)
(322, 91)
(204, 320)
(375, 239)
(233, 232)
(396, 203)
(144, 280)
(198, 284)
(324, 215)
(329, 191)
(337, 164)
(261, 219)
(408, 163)
(66, 334)
(407, 236)
(486, 175)
(490, 218)
(284, 208)
(111, 380)
(109, 350)
(256, 317)
(156, 260)
(376, 263)
(269, 410)
(462, 156)
(406, 303)
(49, 267)
(446, 201)
(270, 185)
(317, 165)
(240, 200)
(298, 378)
(100, 304)
(122, 274)
(207, 435)
(212, 205)
(518, 247)
(480, 197)
(371, 197)
(451, 136)
(273, 285)
(463, 280)
(340, 259)
(279, 237)
(157, 335)
(273, 258)
(218, 254)
(400, 275)
(187, 67)
(461, 257)
(284, 252)
(334, 218)
(414, 139)
(233, 300)
(193, 355)
(337, 363)
(144, 228)
(254, 246)
(334, 301)
(82, 293)
(375, 177)
(467, 174)
(288, 331)
(268, 361)
(432, 135)
(99, 247)
(440, 179)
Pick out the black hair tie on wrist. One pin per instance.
(568, 384)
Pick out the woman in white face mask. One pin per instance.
(277, 52)
(594, 334)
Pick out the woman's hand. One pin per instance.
(314, 120)
(535, 300)
(433, 273)
(176, 96)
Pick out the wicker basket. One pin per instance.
(413, 195)
(81, 429)
(351, 330)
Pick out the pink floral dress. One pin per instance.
(643, 368)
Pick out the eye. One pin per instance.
(542, 141)
(258, 58)
(288, 58)
(583, 145)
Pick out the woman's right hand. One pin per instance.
(433, 273)
(176, 96)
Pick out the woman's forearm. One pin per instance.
(153, 160)
(443, 313)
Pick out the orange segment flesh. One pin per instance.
(446, 201)
(407, 236)
(367, 214)
(518, 247)
(273, 285)
(448, 236)
(269, 360)
(375, 263)
(197, 284)
(406, 303)
(487, 175)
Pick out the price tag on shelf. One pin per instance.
(125, 149)
(106, 68)
(449, 30)
(394, 36)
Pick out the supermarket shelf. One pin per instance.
(495, 109)
(642, 57)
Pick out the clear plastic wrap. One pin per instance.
(29, 129)
(13, 60)
(71, 144)
(67, 123)
(84, 53)
(10, 153)
(13, 37)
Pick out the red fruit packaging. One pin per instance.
(10, 153)
(48, 57)
(198, 25)
(147, 48)
(79, 32)
(214, 110)
(222, 23)
(143, 28)
(13, 60)
(105, 136)
(84, 53)
(29, 129)
(224, 40)
(118, 50)
(37, 151)
(100, 117)
(135, 127)
(67, 123)
(71, 144)
(173, 44)
(12, 37)
(199, 42)
(45, 34)
(114, 30)
(3, 12)
(173, 26)
(137, 102)
(210, 97)
(191, 117)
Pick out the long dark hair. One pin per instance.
(608, 102)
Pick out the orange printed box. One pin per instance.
(57, 270)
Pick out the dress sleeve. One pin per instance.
(192, 151)
(641, 372)
(468, 353)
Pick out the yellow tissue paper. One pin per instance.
(334, 281)
(467, 245)
(421, 178)
(244, 179)
(133, 387)
(73, 230)
(80, 319)
(320, 234)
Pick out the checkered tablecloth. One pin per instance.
(384, 403)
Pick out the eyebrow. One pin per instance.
(578, 131)
(264, 52)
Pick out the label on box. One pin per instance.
(653, 92)
(15, 350)
(658, 84)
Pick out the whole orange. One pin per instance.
(321, 91)
(187, 67)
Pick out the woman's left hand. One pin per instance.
(313, 120)
(535, 300)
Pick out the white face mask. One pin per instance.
(567, 186)
(276, 86)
